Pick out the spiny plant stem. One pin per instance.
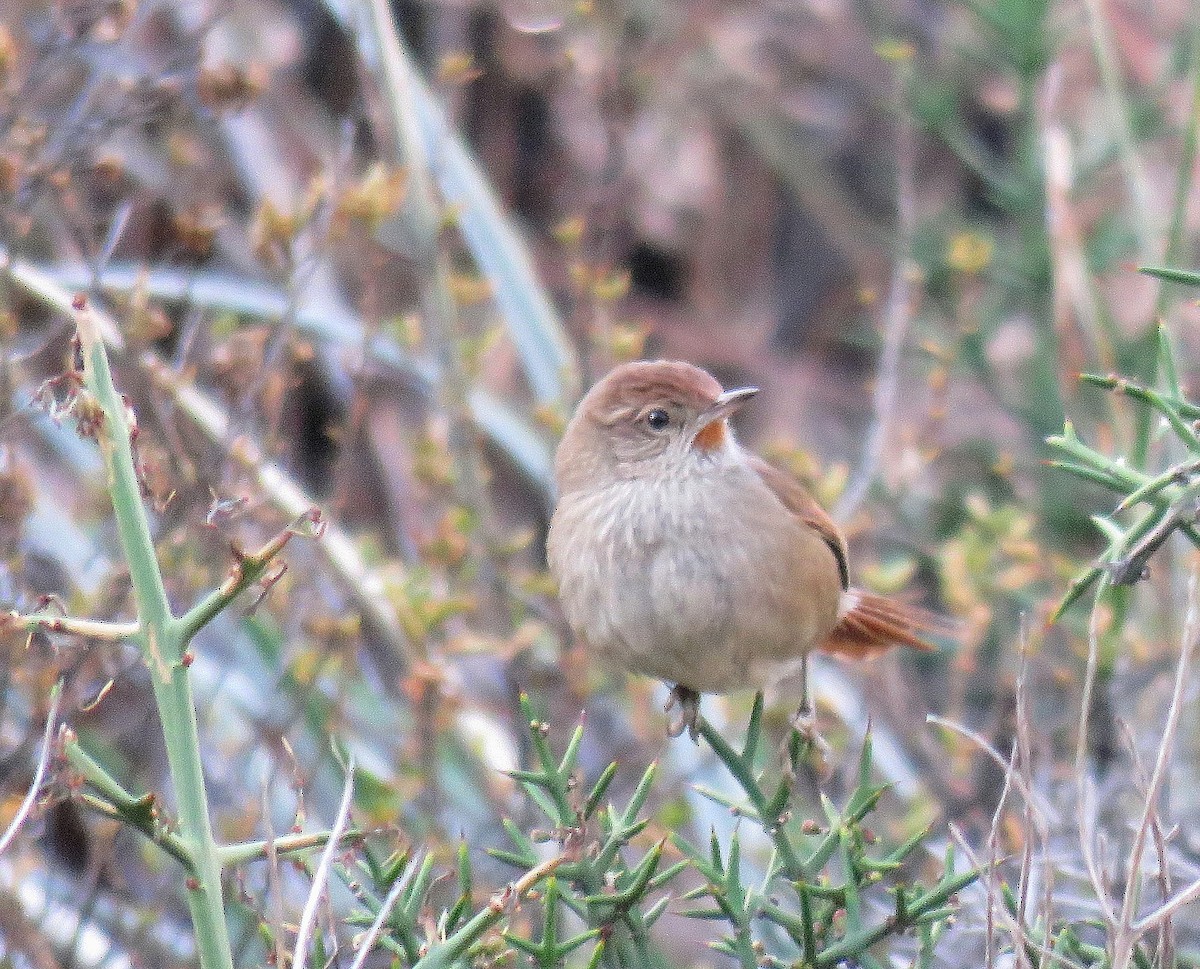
(741, 766)
(163, 643)
(454, 947)
(119, 804)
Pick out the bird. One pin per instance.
(682, 556)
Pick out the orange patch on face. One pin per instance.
(712, 435)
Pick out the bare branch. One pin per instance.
(321, 878)
(1039, 804)
(39, 775)
(897, 314)
(1161, 836)
(1187, 652)
(401, 883)
(1084, 793)
(68, 625)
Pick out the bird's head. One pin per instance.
(659, 418)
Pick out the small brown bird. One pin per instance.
(681, 556)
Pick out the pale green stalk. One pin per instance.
(163, 643)
(1183, 190)
(1147, 222)
(1183, 179)
(455, 947)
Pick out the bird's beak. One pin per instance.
(711, 436)
(727, 403)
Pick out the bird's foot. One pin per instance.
(804, 721)
(804, 744)
(688, 701)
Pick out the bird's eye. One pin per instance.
(658, 419)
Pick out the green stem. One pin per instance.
(230, 855)
(743, 773)
(154, 611)
(636, 948)
(1183, 179)
(248, 570)
(449, 952)
(162, 641)
(177, 709)
(118, 803)
(857, 943)
(743, 944)
(1183, 187)
(1135, 173)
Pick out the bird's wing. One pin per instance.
(868, 624)
(801, 504)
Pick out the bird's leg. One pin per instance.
(688, 701)
(804, 722)
(804, 739)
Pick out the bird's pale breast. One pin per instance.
(695, 580)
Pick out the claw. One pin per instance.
(688, 701)
(804, 722)
(803, 742)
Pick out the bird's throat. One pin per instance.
(711, 436)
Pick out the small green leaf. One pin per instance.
(1166, 362)
(1076, 590)
(754, 729)
(1185, 277)
(530, 948)
(642, 791)
(735, 807)
(532, 777)
(599, 789)
(571, 756)
(1113, 532)
(654, 911)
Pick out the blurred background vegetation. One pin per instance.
(372, 269)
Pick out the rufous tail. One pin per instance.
(870, 624)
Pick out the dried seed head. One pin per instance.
(195, 228)
(230, 87)
(373, 198)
